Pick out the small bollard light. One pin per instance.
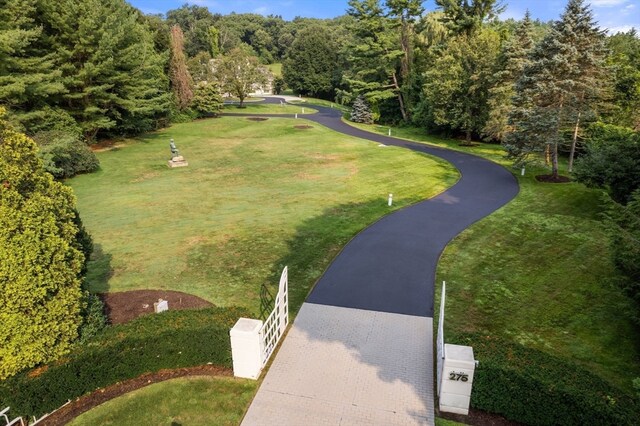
(390, 199)
(522, 172)
(296, 115)
(389, 132)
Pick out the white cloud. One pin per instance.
(619, 29)
(607, 3)
(262, 10)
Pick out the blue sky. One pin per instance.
(615, 15)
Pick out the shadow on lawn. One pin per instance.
(318, 241)
(99, 270)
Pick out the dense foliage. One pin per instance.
(65, 155)
(40, 293)
(173, 339)
(534, 388)
(611, 161)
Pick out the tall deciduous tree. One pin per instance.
(457, 85)
(508, 68)
(238, 72)
(562, 81)
(181, 81)
(40, 291)
(625, 65)
(310, 68)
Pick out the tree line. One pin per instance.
(74, 71)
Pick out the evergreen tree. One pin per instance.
(361, 111)
(114, 77)
(465, 17)
(508, 68)
(40, 291)
(562, 81)
(374, 56)
(311, 65)
(238, 72)
(28, 76)
(181, 80)
(207, 99)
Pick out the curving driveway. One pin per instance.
(360, 350)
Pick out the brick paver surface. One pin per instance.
(344, 366)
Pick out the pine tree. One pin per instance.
(28, 75)
(374, 56)
(559, 84)
(40, 291)
(361, 111)
(509, 66)
(181, 81)
(114, 77)
(465, 17)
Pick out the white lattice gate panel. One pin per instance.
(276, 323)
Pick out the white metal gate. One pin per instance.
(276, 323)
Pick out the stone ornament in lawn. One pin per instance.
(177, 160)
(161, 306)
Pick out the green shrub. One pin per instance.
(94, 319)
(535, 388)
(151, 343)
(65, 155)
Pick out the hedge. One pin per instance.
(173, 339)
(535, 388)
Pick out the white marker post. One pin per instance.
(390, 199)
(303, 110)
(522, 171)
(296, 115)
(389, 132)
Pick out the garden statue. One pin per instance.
(177, 160)
(174, 149)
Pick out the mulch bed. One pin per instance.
(257, 118)
(121, 307)
(87, 402)
(303, 126)
(552, 179)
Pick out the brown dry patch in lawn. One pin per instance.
(145, 176)
(124, 306)
(106, 145)
(307, 176)
(323, 157)
(87, 402)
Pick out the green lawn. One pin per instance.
(539, 272)
(256, 196)
(185, 401)
(269, 109)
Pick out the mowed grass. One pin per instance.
(250, 108)
(255, 197)
(539, 272)
(184, 401)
